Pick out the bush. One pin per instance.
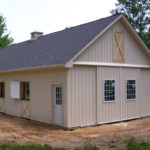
(131, 144)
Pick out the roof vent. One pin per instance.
(35, 35)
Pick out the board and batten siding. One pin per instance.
(41, 100)
(85, 97)
(130, 108)
(108, 111)
(121, 108)
(102, 49)
(145, 92)
(81, 96)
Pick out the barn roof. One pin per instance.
(52, 49)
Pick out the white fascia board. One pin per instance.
(111, 64)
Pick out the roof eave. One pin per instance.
(35, 68)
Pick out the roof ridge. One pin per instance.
(62, 30)
(81, 24)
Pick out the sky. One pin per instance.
(26, 16)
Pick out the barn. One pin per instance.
(94, 73)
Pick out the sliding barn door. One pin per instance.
(130, 93)
(108, 89)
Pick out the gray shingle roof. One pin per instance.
(52, 49)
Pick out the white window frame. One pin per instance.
(112, 101)
(134, 99)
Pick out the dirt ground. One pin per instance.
(107, 137)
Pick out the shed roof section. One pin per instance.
(52, 49)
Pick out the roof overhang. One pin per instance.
(37, 68)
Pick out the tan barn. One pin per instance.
(94, 73)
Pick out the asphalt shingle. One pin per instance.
(52, 49)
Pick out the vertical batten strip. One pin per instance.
(140, 93)
(97, 105)
(120, 93)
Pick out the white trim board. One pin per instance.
(110, 64)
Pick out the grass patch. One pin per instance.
(131, 144)
(33, 146)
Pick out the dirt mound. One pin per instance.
(109, 136)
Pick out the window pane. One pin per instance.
(109, 90)
(131, 89)
(58, 95)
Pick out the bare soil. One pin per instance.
(107, 137)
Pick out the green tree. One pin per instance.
(5, 40)
(138, 14)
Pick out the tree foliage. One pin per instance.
(138, 14)
(5, 40)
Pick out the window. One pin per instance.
(131, 89)
(109, 90)
(58, 95)
(2, 89)
(15, 89)
(25, 90)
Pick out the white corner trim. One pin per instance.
(110, 64)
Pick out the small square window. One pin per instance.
(109, 90)
(131, 89)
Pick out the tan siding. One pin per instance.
(130, 108)
(2, 105)
(40, 94)
(81, 87)
(108, 111)
(145, 92)
(102, 49)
